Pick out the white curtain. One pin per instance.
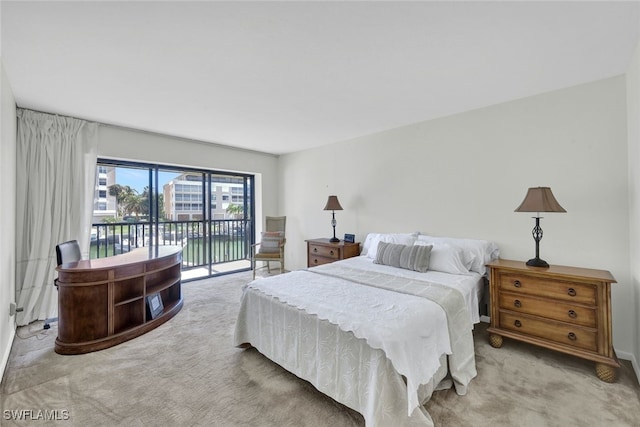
(55, 180)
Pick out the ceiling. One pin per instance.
(280, 77)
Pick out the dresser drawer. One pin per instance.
(324, 251)
(319, 260)
(581, 293)
(557, 310)
(574, 336)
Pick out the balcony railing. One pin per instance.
(229, 239)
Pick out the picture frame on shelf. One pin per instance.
(350, 238)
(154, 305)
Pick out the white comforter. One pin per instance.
(397, 336)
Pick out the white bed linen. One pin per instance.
(471, 285)
(352, 366)
(335, 362)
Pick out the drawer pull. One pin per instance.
(517, 323)
(517, 283)
(572, 336)
(517, 303)
(571, 292)
(315, 249)
(315, 261)
(572, 314)
(331, 252)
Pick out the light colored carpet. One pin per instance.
(187, 373)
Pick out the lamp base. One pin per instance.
(537, 262)
(334, 240)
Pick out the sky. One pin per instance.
(139, 178)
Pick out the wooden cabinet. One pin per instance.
(322, 251)
(103, 302)
(567, 309)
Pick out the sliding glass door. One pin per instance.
(208, 213)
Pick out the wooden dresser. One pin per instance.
(567, 309)
(322, 251)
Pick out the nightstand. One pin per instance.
(567, 309)
(322, 251)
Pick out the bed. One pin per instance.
(374, 337)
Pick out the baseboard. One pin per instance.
(634, 363)
(485, 319)
(7, 352)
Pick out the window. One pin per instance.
(164, 205)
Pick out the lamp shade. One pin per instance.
(539, 199)
(333, 204)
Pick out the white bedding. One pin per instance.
(374, 350)
(471, 285)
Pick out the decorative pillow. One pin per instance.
(445, 258)
(270, 242)
(370, 246)
(415, 257)
(477, 253)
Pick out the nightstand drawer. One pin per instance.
(541, 286)
(318, 260)
(324, 251)
(557, 310)
(574, 336)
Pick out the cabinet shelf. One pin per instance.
(153, 289)
(127, 301)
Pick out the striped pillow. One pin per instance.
(414, 258)
(271, 241)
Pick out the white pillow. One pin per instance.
(371, 244)
(445, 258)
(477, 253)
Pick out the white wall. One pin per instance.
(633, 122)
(464, 175)
(8, 124)
(127, 144)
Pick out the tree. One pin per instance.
(121, 193)
(146, 203)
(236, 210)
(134, 204)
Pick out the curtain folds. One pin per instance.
(55, 180)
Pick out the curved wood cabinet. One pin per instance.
(103, 302)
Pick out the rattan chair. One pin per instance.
(271, 246)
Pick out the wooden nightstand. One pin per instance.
(566, 309)
(322, 251)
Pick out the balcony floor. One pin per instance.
(226, 267)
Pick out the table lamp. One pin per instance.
(333, 205)
(539, 199)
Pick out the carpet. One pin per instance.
(187, 373)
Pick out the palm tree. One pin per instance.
(135, 204)
(121, 193)
(236, 210)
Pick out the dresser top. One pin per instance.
(325, 241)
(554, 270)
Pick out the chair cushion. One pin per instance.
(270, 242)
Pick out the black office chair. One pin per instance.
(65, 252)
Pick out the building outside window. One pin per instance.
(104, 205)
